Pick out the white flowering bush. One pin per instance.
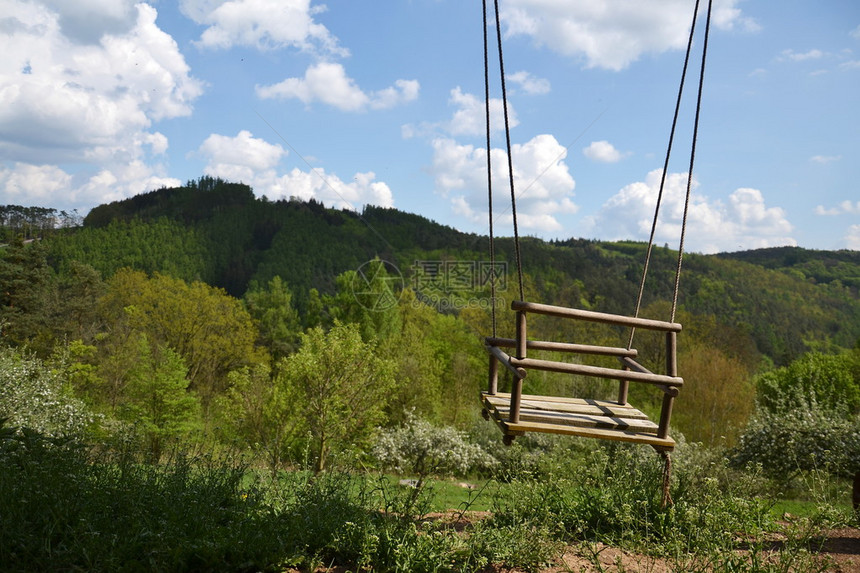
(32, 396)
(419, 448)
(807, 437)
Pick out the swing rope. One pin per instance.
(489, 175)
(508, 142)
(650, 248)
(692, 159)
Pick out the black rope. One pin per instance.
(692, 160)
(650, 248)
(510, 159)
(489, 174)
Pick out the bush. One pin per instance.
(419, 448)
(807, 437)
(33, 396)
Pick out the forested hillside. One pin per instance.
(214, 300)
(789, 300)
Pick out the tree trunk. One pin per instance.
(320, 465)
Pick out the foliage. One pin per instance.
(212, 331)
(26, 286)
(716, 401)
(339, 388)
(157, 401)
(258, 412)
(36, 397)
(368, 298)
(807, 418)
(806, 437)
(160, 245)
(829, 381)
(276, 319)
(71, 512)
(419, 448)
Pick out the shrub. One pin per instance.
(33, 396)
(419, 448)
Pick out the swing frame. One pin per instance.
(516, 413)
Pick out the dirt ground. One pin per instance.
(840, 552)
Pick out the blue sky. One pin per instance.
(381, 102)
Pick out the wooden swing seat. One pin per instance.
(516, 413)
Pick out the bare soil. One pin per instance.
(838, 553)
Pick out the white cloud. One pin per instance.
(239, 158)
(87, 21)
(603, 151)
(254, 161)
(744, 223)
(262, 24)
(845, 207)
(825, 158)
(529, 84)
(82, 88)
(593, 29)
(327, 82)
(852, 238)
(542, 181)
(855, 33)
(802, 56)
(51, 186)
(470, 117)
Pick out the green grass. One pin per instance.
(65, 509)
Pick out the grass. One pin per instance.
(72, 510)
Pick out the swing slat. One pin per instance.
(576, 417)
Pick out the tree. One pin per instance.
(157, 398)
(340, 388)
(272, 310)
(368, 297)
(807, 419)
(259, 412)
(832, 381)
(26, 291)
(211, 330)
(33, 395)
(717, 398)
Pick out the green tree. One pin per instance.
(272, 310)
(368, 297)
(832, 381)
(79, 290)
(157, 400)
(211, 330)
(339, 388)
(26, 292)
(259, 413)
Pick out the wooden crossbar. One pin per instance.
(564, 347)
(596, 371)
(593, 316)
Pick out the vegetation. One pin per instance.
(224, 380)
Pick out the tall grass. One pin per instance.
(64, 508)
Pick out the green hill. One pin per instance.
(789, 300)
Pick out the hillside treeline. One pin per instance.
(203, 312)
